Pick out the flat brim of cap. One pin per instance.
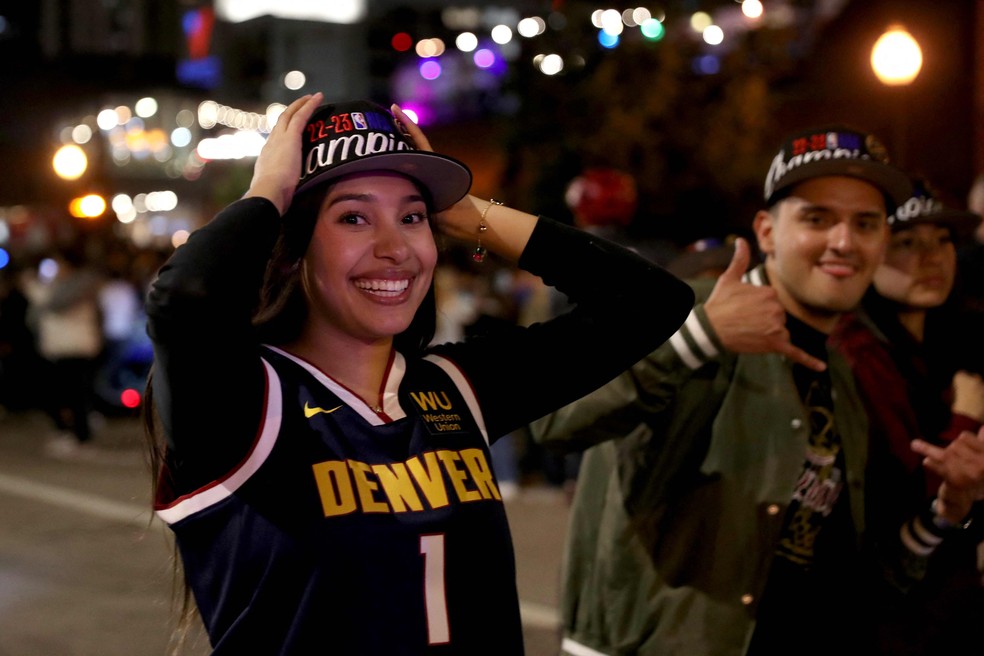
(445, 178)
(893, 182)
(962, 223)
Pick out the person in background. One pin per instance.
(324, 468)
(19, 359)
(65, 315)
(721, 507)
(121, 308)
(914, 385)
(470, 303)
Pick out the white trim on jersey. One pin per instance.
(222, 489)
(391, 387)
(467, 393)
(568, 646)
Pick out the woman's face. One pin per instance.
(371, 258)
(919, 267)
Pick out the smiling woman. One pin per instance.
(324, 467)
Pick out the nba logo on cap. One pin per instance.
(835, 150)
(361, 136)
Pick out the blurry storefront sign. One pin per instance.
(205, 73)
(336, 11)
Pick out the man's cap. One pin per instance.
(924, 206)
(835, 150)
(359, 136)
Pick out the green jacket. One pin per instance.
(675, 523)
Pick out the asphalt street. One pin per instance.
(85, 569)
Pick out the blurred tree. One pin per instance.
(693, 124)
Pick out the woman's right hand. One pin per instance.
(278, 167)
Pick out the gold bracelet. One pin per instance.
(478, 255)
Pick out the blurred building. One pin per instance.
(170, 100)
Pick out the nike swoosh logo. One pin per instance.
(310, 412)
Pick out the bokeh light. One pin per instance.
(401, 42)
(430, 69)
(896, 57)
(413, 113)
(146, 107)
(70, 162)
(502, 34)
(611, 22)
(130, 398)
(713, 35)
(551, 64)
(607, 40)
(653, 29)
(700, 20)
(294, 80)
(752, 8)
(81, 134)
(706, 65)
(90, 206)
(532, 26)
(484, 58)
(430, 47)
(466, 42)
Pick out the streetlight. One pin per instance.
(896, 59)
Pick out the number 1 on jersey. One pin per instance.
(435, 599)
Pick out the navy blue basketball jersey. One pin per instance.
(350, 529)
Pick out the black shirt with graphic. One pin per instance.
(808, 606)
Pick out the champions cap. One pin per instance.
(835, 150)
(924, 207)
(358, 136)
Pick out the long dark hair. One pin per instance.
(278, 318)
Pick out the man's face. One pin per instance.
(822, 245)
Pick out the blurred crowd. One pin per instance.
(73, 341)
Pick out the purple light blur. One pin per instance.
(484, 58)
(417, 112)
(430, 70)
